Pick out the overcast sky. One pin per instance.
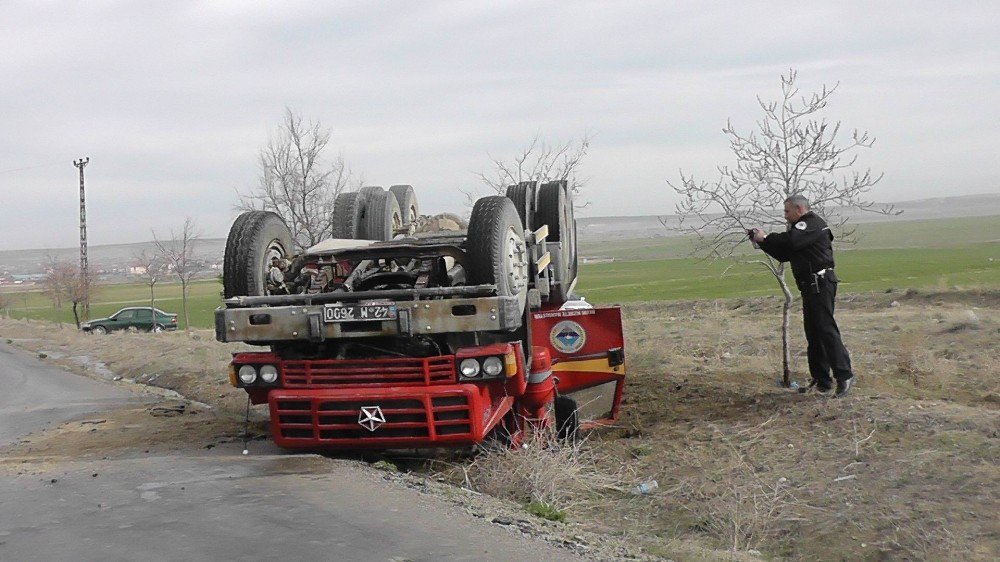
(172, 100)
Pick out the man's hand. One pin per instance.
(757, 235)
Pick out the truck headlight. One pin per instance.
(469, 368)
(247, 374)
(492, 366)
(269, 373)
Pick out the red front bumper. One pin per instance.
(384, 417)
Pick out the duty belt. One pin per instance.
(821, 274)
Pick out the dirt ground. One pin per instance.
(904, 469)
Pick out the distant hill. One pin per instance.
(596, 228)
(590, 229)
(101, 256)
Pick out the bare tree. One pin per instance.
(150, 267)
(57, 276)
(177, 255)
(792, 151)
(63, 282)
(539, 161)
(296, 182)
(78, 287)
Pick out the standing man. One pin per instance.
(807, 244)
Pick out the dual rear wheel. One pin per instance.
(373, 213)
(551, 203)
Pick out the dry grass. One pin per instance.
(904, 469)
(732, 498)
(569, 477)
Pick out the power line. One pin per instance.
(50, 165)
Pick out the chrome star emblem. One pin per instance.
(371, 417)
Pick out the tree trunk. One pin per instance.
(152, 308)
(786, 358)
(184, 305)
(76, 317)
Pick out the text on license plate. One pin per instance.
(358, 312)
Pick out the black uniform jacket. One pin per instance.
(808, 244)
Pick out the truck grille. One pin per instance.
(405, 371)
(318, 420)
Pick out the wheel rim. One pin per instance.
(275, 249)
(516, 264)
(397, 222)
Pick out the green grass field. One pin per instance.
(203, 298)
(859, 270)
(933, 254)
(939, 233)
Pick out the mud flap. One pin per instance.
(588, 358)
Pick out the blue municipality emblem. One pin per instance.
(568, 336)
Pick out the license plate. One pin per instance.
(358, 312)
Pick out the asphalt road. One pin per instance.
(213, 505)
(34, 394)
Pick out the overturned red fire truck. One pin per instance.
(383, 338)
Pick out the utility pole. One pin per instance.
(84, 278)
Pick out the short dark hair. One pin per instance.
(799, 201)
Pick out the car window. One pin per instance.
(125, 315)
(143, 315)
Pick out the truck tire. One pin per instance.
(407, 200)
(555, 208)
(346, 215)
(567, 418)
(255, 238)
(523, 196)
(382, 217)
(496, 249)
(365, 195)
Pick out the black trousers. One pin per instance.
(826, 350)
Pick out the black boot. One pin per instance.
(843, 387)
(815, 385)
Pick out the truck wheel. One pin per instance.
(567, 418)
(367, 191)
(346, 215)
(365, 195)
(496, 249)
(382, 217)
(407, 200)
(523, 196)
(254, 239)
(555, 208)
